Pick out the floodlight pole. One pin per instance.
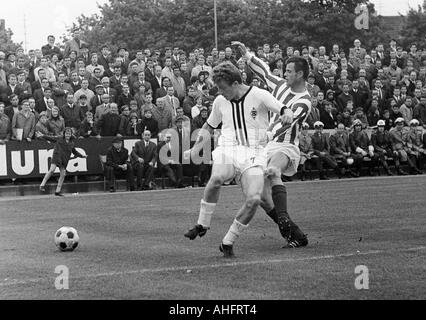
(215, 23)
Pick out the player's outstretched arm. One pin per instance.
(205, 133)
(260, 68)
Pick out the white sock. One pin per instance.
(206, 211)
(234, 232)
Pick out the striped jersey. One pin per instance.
(244, 121)
(299, 103)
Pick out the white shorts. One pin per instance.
(240, 157)
(290, 150)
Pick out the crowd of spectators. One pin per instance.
(101, 93)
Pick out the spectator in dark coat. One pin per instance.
(5, 125)
(117, 165)
(133, 128)
(72, 113)
(125, 119)
(87, 126)
(327, 117)
(149, 123)
(382, 144)
(109, 123)
(143, 158)
(361, 147)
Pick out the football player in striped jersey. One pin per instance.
(243, 112)
(283, 154)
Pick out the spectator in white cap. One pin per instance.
(361, 147)
(321, 147)
(400, 140)
(381, 142)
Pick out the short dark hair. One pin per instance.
(300, 64)
(227, 72)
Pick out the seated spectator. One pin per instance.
(23, 123)
(340, 148)
(72, 113)
(361, 148)
(133, 129)
(109, 123)
(87, 126)
(125, 119)
(143, 158)
(97, 99)
(306, 149)
(321, 149)
(346, 118)
(61, 90)
(314, 115)
(171, 167)
(394, 111)
(56, 123)
(189, 100)
(419, 111)
(388, 121)
(149, 123)
(41, 128)
(381, 142)
(5, 125)
(312, 88)
(42, 103)
(186, 121)
(140, 95)
(415, 146)
(117, 165)
(373, 114)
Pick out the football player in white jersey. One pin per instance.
(283, 153)
(243, 112)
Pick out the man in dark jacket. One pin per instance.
(143, 158)
(109, 123)
(382, 145)
(117, 165)
(72, 113)
(361, 147)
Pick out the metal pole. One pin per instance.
(215, 24)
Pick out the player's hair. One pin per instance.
(300, 64)
(227, 72)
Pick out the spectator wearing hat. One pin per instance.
(381, 142)
(415, 146)
(361, 147)
(5, 125)
(306, 149)
(23, 123)
(149, 123)
(133, 128)
(144, 158)
(72, 113)
(109, 123)
(401, 142)
(321, 148)
(118, 165)
(87, 126)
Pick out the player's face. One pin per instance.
(290, 74)
(228, 91)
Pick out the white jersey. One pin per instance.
(298, 102)
(244, 121)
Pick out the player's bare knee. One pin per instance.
(253, 202)
(273, 172)
(216, 182)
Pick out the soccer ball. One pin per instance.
(66, 239)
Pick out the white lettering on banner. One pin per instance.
(43, 160)
(3, 161)
(77, 164)
(28, 166)
(129, 144)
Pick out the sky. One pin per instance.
(44, 17)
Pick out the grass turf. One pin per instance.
(132, 245)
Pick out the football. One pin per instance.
(66, 239)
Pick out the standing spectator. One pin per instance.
(344, 97)
(64, 147)
(178, 83)
(49, 49)
(95, 65)
(190, 100)
(26, 92)
(419, 111)
(61, 89)
(97, 98)
(143, 158)
(23, 123)
(321, 147)
(5, 125)
(75, 44)
(89, 94)
(72, 113)
(125, 97)
(95, 79)
(75, 81)
(41, 128)
(196, 109)
(314, 115)
(125, 119)
(13, 108)
(406, 109)
(149, 123)
(49, 73)
(172, 167)
(87, 126)
(102, 108)
(162, 115)
(162, 91)
(170, 101)
(312, 88)
(139, 82)
(373, 114)
(156, 82)
(56, 123)
(140, 95)
(109, 123)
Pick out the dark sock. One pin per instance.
(279, 197)
(273, 215)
